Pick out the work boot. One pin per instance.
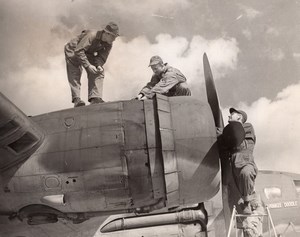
(96, 100)
(247, 210)
(78, 102)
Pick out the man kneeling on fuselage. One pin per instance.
(166, 80)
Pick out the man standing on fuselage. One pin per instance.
(89, 50)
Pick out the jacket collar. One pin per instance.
(166, 67)
(99, 35)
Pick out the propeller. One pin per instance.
(211, 93)
(231, 135)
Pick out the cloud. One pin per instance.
(277, 55)
(272, 31)
(296, 55)
(277, 127)
(162, 8)
(274, 54)
(249, 12)
(247, 33)
(37, 89)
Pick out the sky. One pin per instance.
(253, 48)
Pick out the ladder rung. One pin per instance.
(252, 215)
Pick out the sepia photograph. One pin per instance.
(149, 118)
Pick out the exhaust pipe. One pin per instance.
(182, 217)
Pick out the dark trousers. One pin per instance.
(245, 180)
(181, 89)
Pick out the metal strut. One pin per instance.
(291, 224)
(239, 232)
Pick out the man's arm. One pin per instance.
(83, 45)
(249, 132)
(168, 80)
(250, 138)
(147, 89)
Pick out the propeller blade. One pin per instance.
(211, 93)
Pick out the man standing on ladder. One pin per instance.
(237, 143)
(242, 161)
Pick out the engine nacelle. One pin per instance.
(120, 156)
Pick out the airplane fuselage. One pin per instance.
(115, 157)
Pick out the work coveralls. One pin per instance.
(243, 165)
(85, 50)
(171, 82)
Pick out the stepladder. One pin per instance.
(257, 224)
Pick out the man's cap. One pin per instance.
(155, 60)
(233, 134)
(112, 28)
(231, 110)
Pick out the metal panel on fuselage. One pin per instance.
(95, 155)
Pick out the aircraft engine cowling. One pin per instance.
(189, 150)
